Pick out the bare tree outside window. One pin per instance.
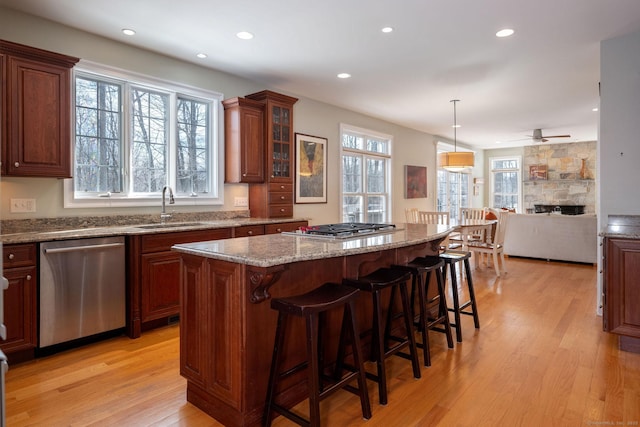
(98, 152)
(134, 137)
(193, 147)
(150, 140)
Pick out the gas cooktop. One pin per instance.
(343, 230)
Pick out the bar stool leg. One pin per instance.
(349, 310)
(313, 371)
(408, 322)
(275, 367)
(378, 341)
(444, 311)
(472, 294)
(422, 297)
(456, 301)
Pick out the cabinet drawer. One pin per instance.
(280, 211)
(280, 187)
(285, 226)
(19, 255)
(164, 241)
(280, 198)
(248, 230)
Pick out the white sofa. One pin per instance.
(552, 237)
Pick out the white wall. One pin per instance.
(619, 146)
(310, 117)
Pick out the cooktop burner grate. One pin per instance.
(344, 230)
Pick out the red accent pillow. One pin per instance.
(490, 215)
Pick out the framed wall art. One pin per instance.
(415, 180)
(311, 169)
(537, 172)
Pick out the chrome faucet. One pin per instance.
(164, 215)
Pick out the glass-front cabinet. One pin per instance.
(281, 135)
(274, 197)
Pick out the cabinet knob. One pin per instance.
(28, 277)
(282, 187)
(282, 210)
(16, 164)
(279, 230)
(281, 197)
(11, 256)
(244, 174)
(250, 233)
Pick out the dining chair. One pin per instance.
(495, 246)
(440, 218)
(473, 214)
(429, 217)
(411, 215)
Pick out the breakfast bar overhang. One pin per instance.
(227, 326)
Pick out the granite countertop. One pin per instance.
(42, 230)
(623, 226)
(277, 249)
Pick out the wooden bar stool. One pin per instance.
(451, 258)
(313, 306)
(375, 283)
(419, 268)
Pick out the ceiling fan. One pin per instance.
(537, 136)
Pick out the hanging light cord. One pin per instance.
(455, 126)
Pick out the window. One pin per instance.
(134, 135)
(366, 172)
(505, 183)
(453, 192)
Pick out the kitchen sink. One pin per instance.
(169, 225)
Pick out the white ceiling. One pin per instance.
(544, 76)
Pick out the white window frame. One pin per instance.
(345, 128)
(493, 171)
(216, 151)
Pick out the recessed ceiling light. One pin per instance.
(201, 55)
(244, 35)
(594, 109)
(505, 33)
(456, 126)
(344, 75)
(128, 32)
(387, 29)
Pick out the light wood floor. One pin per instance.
(539, 359)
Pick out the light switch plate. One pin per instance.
(23, 205)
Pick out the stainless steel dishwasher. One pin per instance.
(82, 288)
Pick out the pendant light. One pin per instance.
(455, 161)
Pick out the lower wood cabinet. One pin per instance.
(20, 301)
(154, 276)
(621, 314)
(154, 271)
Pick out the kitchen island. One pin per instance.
(227, 326)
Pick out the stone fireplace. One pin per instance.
(560, 174)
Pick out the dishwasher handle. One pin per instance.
(81, 248)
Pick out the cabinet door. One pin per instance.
(20, 309)
(160, 285)
(280, 137)
(3, 116)
(622, 287)
(244, 140)
(39, 128)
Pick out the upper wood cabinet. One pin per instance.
(36, 111)
(274, 197)
(244, 141)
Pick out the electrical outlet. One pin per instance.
(241, 202)
(23, 205)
